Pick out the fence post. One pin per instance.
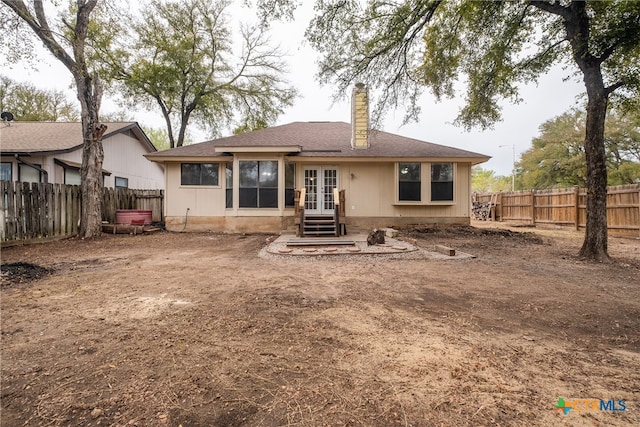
(533, 207)
(576, 202)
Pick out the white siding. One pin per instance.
(124, 157)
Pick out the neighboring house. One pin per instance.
(249, 182)
(52, 152)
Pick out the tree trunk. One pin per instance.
(576, 22)
(89, 95)
(595, 239)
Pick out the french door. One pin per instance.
(319, 182)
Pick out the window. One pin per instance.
(409, 187)
(229, 186)
(5, 171)
(441, 182)
(72, 176)
(258, 184)
(122, 182)
(199, 174)
(28, 173)
(289, 184)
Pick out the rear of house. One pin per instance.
(262, 181)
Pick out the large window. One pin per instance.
(441, 182)
(28, 173)
(199, 174)
(6, 171)
(258, 184)
(72, 176)
(289, 184)
(409, 187)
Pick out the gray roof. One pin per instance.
(56, 137)
(322, 139)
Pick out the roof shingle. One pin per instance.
(46, 137)
(322, 139)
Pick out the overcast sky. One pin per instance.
(520, 124)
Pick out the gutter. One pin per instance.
(31, 165)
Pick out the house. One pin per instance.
(270, 179)
(52, 152)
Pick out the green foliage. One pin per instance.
(486, 181)
(557, 159)
(248, 126)
(400, 48)
(484, 42)
(29, 103)
(615, 39)
(66, 40)
(273, 10)
(180, 58)
(380, 44)
(158, 137)
(15, 47)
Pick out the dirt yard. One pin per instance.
(201, 330)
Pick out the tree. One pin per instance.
(180, 58)
(250, 126)
(158, 137)
(486, 181)
(29, 103)
(622, 141)
(402, 47)
(556, 158)
(68, 45)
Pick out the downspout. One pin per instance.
(31, 165)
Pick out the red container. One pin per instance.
(133, 216)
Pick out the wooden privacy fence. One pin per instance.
(38, 210)
(567, 207)
(125, 198)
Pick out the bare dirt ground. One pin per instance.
(200, 330)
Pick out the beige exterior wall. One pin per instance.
(200, 201)
(370, 190)
(207, 204)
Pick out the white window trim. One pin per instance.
(196, 186)
(236, 189)
(115, 181)
(425, 185)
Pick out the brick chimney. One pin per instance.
(360, 117)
